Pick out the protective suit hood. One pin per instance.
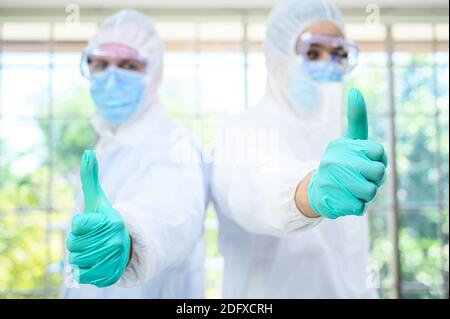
(133, 29)
(285, 23)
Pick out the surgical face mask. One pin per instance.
(324, 71)
(117, 93)
(312, 95)
(304, 91)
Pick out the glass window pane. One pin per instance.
(380, 248)
(24, 163)
(371, 59)
(444, 160)
(180, 89)
(71, 96)
(221, 79)
(257, 77)
(23, 251)
(416, 162)
(411, 58)
(374, 87)
(441, 59)
(414, 93)
(421, 251)
(24, 60)
(22, 95)
(70, 138)
(442, 90)
(67, 59)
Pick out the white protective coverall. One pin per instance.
(161, 200)
(270, 249)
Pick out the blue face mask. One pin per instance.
(324, 71)
(304, 90)
(117, 94)
(306, 80)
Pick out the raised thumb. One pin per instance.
(92, 191)
(357, 128)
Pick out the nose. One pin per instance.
(325, 55)
(112, 78)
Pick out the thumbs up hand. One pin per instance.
(99, 244)
(351, 169)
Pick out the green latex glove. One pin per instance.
(351, 169)
(99, 244)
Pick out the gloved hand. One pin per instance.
(99, 244)
(351, 169)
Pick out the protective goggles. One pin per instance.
(99, 60)
(326, 48)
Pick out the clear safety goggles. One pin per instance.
(326, 48)
(99, 60)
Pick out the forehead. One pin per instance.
(325, 28)
(114, 52)
(117, 49)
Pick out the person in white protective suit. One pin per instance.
(267, 158)
(160, 201)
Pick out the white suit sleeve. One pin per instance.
(164, 217)
(258, 195)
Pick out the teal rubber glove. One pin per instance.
(99, 244)
(351, 169)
